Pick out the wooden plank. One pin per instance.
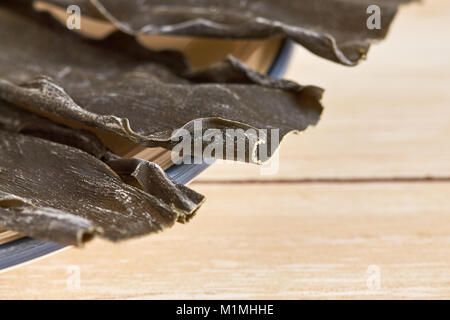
(269, 241)
(389, 116)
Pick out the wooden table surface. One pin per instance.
(359, 209)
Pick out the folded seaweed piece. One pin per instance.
(140, 173)
(19, 120)
(147, 97)
(59, 193)
(45, 223)
(333, 29)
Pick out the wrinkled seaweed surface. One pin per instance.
(333, 29)
(57, 192)
(118, 86)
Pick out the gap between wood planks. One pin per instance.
(362, 180)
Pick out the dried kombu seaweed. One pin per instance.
(55, 192)
(18, 120)
(118, 86)
(333, 29)
(46, 223)
(137, 172)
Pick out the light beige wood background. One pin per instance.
(282, 237)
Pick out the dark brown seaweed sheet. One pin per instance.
(59, 193)
(55, 192)
(137, 172)
(136, 93)
(18, 120)
(45, 223)
(333, 29)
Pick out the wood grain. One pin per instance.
(386, 119)
(269, 242)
